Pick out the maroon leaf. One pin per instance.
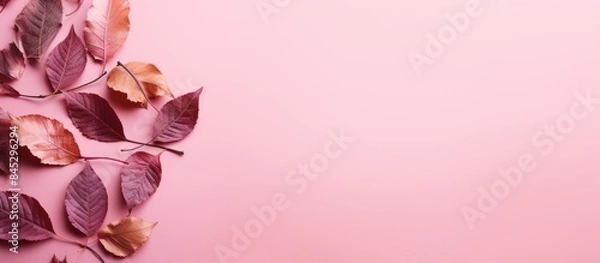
(9, 91)
(177, 118)
(38, 25)
(3, 4)
(86, 201)
(140, 178)
(66, 62)
(94, 117)
(4, 142)
(55, 260)
(34, 224)
(12, 62)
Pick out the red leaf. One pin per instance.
(66, 62)
(177, 118)
(86, 201)
(34, 224)
(9, 91)
(140, 178)
(55, 260)
(12, 62)
(3, 4)
(38, 25)
(94, 117)
(106, 28)
(4, 142)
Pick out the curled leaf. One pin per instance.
(66, 62)
(32, 220)
(177, 118)
(140, 178)
(122, 238)
(94, 117)
(86, 201)
(9, 91)
(12, 62)
(55, 260)
(4, 142)
(38, 25)
(153, 82)
(106, 28)
(47, 139)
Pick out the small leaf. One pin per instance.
(34, 224)
(177, 118)
(9, 91)
(38, 25)
(12, 62)
(66, 62)
(55, 260)
(153, 82)
(106, 28)
(140, 178)
(4, 142)
(86, 201)
(47, 139)
(94, 117)
(122, 238)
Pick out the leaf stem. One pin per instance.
(76, 9)
(137, 81)
(103, 158)
(141, 144)
(67, 90)
(74, 242)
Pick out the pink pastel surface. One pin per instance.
(425, 143)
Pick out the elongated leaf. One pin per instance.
(153, 82)
(38, 25)
(47, 139)
(66, 62)
(106, 28)
(33, 221)
(86, 201)
(56, 260)
(9, 91)
(3, 4)
(177, 118)
(4, 142)
(122, 238)
(12, 62)
(140, 178)
(94, 117)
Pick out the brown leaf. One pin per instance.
(38, 25)
(55, 260)
(122, 238)
(47, 139)
(106, 28)
(12, 62)
(153, 82)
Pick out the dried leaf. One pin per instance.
(55, 260)
(47, 139)
(34, 224)
(106, 28)
(4, 142)
(86, 201)
(94, 117)
(140, 178)
(3, 4)
(38, 25)
(122, 238)
(177, 118)
(66, 62)
(153, 82)
(12, 62)
(9, 91)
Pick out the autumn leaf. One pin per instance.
(177, 119)
(140, 178)
(3, 4)
(106, 28)
(34, 224)
(86, 201)
(66, 62)
(12, 62)
(9, 91)
(38, 25)
(4, 142)
(94, 117)
(47, 139)
(122, 238)
(55, 260)
(153, 82)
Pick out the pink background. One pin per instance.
(425, 143)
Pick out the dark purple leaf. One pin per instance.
(34, 222)
(12, 63)
(86, 201)
(9, 91)
(66, 62)
(4, 142)
(140, 178)
(94, 117)
(38, 25)
(56, 260)
(3, 4)
(177, 118)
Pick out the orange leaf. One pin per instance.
(153, 82)
(122, 238)
(106, 28)
(47, 139)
